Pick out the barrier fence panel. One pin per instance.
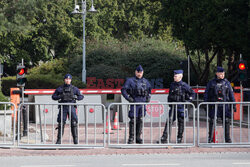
(50, 125)
(152, 122)
(218, 128)
(7, 124)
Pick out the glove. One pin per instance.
(75, 97)
(130, 99)
(147, 99)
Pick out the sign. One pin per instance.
(155, 109)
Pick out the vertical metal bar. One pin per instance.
(61, 110)
(224, 125)
(198, 124)
(232, 118)
(143, 115)
(193, 124)
(40, 121)
(118, 116)
(44, 113)
(126, 122)
(185, 123)
(87, 123)
(168, 123)
(78, 122)
(53, 122)
(176, 123)
(215, 122)
(70, 122)
(248, 122)
(241, 122)
(207, 122)
(104, 125)
(107, 131)
(95, 123)
(14, 124)
(4, 133)
(36, 111)
(151, 124)
(160, 121)
(18, 125)
(28, 123)
(135, 123)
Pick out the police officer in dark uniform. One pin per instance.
(179, 92)
(67, 93)
(219, 90)
(136, 89)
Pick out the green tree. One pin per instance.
(209, 29)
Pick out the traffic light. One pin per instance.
(20, 77)
(242, 70)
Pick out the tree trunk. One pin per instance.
(230, 66)
(219, 57)
(205, 74)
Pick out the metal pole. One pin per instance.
(84, 43)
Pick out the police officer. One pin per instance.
(219, 90)
(136, 89)
(179, 92)
(67, 93)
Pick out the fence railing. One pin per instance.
(75, 124)
(156, 117)
(218, 128)
(7, 124)
(215, 125)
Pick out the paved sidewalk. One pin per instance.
(109, 151)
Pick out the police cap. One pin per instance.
(139, 68)
(68, 76)
(178, 71)
(220, 69)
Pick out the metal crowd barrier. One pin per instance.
(239, 129)
(7, 124)
(42, 133)
(153, 123)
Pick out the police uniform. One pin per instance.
(219, 90)
(178, 92)
(67, 94)
(136, 90)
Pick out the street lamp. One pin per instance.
(83, 13)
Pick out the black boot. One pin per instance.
(180, 129)
(60, 133)
(131, 131)
(164, 138)
(138, 131)
(74, 131)
(227, 131)
(210, 132)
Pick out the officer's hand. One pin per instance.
(147, 99)
(75, 97)
(130, 99)
(60, 96)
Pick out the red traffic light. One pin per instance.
(22, 71)
(242, 66)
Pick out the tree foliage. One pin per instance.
(218, 27)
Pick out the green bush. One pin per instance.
(48, 75)
(118, 59)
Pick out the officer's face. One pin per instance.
(67, 81)
(177, 77)
(220, 75)
(138, 74)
